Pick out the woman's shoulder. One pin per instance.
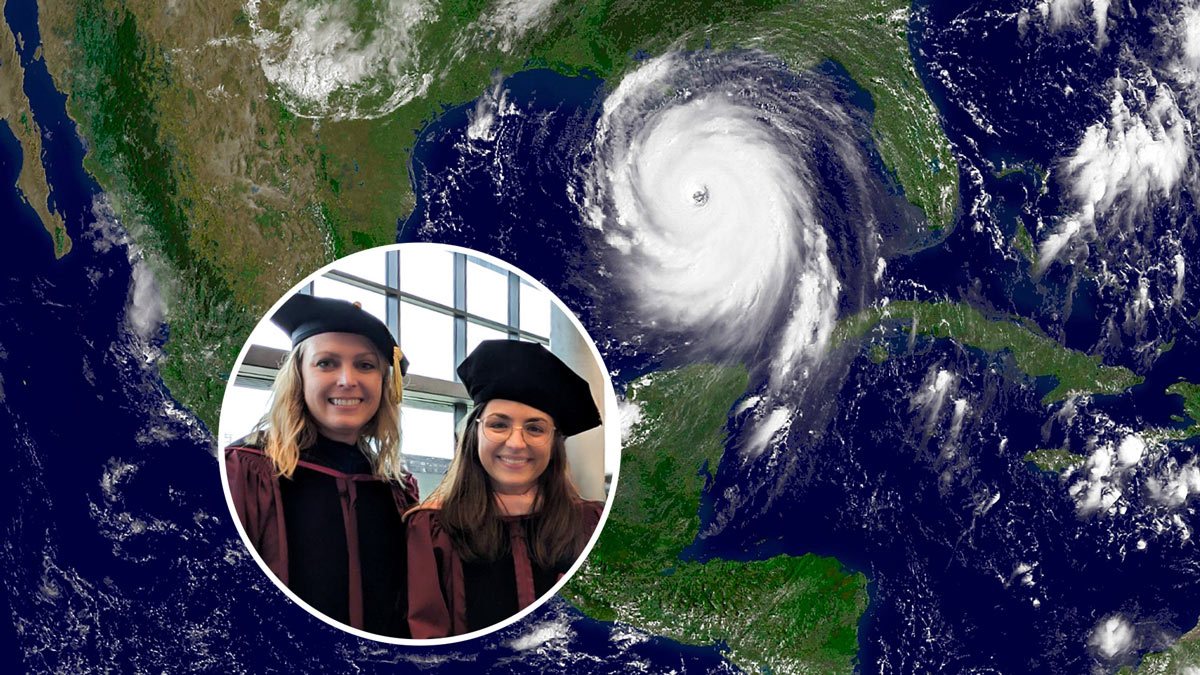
(425, 521)
(426, 515)
(246, 455)
(248, 443)
(590, 511)
(590, 507)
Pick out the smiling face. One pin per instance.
(343, 383)
(514, 465)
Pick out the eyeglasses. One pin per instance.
(497, 429)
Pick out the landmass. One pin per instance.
(784, 614)
(14, 109)
(1054, 461)
(235, 198)
(1023, 242)
(1191, 407)
(1182, 658)
(1034, 353)
(869, 38)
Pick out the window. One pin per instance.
(268, 334)
(371, 300)
(427, 338)
(535, 309)
(241, 410)
(477, 333)
(427, 431)
(487, 291)
(441, 304)
(428, 273)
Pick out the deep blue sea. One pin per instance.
(120, 552)
(942, 526)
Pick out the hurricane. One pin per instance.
(738, 200)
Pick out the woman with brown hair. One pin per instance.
(319, 487)
(506, 522)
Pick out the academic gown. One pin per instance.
(332, 533)
(447, 596)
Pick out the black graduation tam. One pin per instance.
(526, 372)
(304, 316)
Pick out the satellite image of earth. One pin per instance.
(901, 301)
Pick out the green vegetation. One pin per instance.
(1191, 407)
(868, 38)
(1034, 353)
(234, 198)
(878, 353)
(115, 83)
(1055, 461)
(1023, 242)
(1182, 658)
(31, 179)
(784, 614)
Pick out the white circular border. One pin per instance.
(612, 438)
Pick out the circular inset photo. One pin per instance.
(418, 444)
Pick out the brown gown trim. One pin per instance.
(258, 501)
(437, 600)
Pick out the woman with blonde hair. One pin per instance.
(506, 522)
(319, 487)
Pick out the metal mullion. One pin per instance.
(460, 305)
(514, 306)
(392, 292)
(534, 337)
(490, 323)
(428, 304)
(456, 313)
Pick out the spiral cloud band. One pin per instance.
(702, 181)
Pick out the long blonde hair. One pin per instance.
(288, 426)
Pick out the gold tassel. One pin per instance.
(398, 378)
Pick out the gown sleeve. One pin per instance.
(431, 584)
(259, 506)
(406, 493)
(590, 513)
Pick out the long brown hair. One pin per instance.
(472, 517)
(288, 426)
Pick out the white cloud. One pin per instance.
(1180, 269)
(1130, 450)
(1140, 153)
(631, 416)
(1098, 489)
(518, 16)
(145, 307)
(541, 634)
(1112, 636)
(775, 421)
(326, 63)
(931, 395)
(1189, 37)
(960, 411)
(1070, 12)
(1175, 485)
